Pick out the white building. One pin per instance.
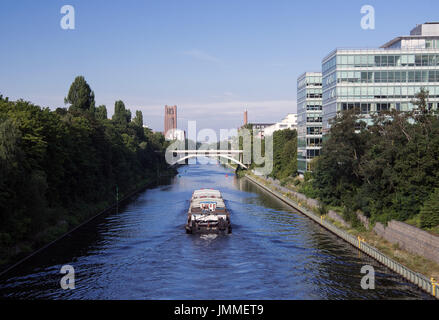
(259, 129)
(289, 122)
(309, 110)
(175, 134)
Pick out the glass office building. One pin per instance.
(375, 80)
(309, 119)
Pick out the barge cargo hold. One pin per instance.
(208, 213)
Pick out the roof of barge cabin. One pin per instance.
(196, 202)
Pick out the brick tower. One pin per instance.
(170, 118)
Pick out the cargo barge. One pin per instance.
(208, 213)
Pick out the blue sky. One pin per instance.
(211, 58)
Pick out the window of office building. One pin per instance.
(406, 60)
(314, 142)
(314, 130)
(383, 107)
(313, 107)
(310, 154)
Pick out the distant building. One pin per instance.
(170, 118)
(289, 122)
(245, 117)
(259, 129)
(175, 134)
(309, 111)
(170, 121)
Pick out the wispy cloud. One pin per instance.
(226, 95)
(201, 55)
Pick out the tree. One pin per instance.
(101, 112)
(137, 125)
(421, 101)
(120, 116)
(337, 170)
(128, 115)
(138, 120)
(10, 140)
(80, 96)
(430, 211)
(284, 153)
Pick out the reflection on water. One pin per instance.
(143, 252)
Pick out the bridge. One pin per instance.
(225, 154)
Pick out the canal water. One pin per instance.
(143, 252)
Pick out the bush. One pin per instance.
(430, 211)
(322, 209)
(351, 217)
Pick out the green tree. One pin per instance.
(138, 120)
(80, 96)
(10, 140)
(101, 112)
(284, 153)
(422, 101)
(430, 211)
(120, 116)
(337, 170)
(137, 125)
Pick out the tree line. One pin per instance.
(58, 168)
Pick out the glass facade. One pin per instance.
(309, 119)
(378, 79)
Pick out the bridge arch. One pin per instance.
(210, 156)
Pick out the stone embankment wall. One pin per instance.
(336, 217)
(410, 238)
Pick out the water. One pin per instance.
(143, 252)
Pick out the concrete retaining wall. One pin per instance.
(410, 238)
(364, 220)
(336, 217)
